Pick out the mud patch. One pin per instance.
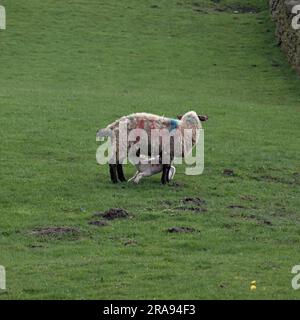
(113, 213)
(195, 201)
(259, 220)
(98, 223)
(194, 204)
(181, 230)
(228, 173)
(267, 222)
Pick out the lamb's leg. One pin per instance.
(138, 177)
(120, 172)
(113, 173)
(132, 178)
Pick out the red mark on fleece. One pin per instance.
(152, 125)
(141, 124)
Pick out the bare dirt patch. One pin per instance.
(228, 173)
(194, 204)
(195, 201)
(113, 213)
(181, 230)
(259, 220)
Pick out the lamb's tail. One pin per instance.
(103, 133)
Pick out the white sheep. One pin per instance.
(146, 122)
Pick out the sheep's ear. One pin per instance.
(202, 118)
(179, 117)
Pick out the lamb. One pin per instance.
(146, 169)
(146, 122)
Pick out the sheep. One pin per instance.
(146, 122)
(146, 169)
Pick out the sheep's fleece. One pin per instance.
(147, 122)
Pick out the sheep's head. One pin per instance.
(191, 120)
(200, 117)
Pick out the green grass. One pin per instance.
(68, 68)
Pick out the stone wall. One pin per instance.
(288, 38)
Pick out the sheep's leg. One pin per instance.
(168, 173)
(120, 172)
(165, 174)
(113, 173)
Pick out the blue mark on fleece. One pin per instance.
(173, 124)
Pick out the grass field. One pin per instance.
(70, 67)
